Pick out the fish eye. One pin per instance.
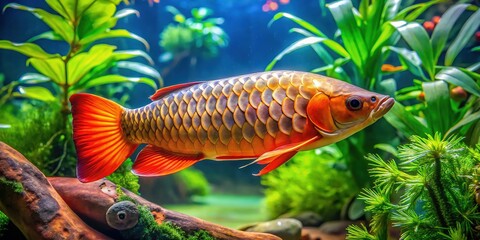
(373, 99)
(353, 103)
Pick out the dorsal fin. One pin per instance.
(166, 90)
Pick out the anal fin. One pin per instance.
(154, 161)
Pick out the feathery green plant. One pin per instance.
(428, 192)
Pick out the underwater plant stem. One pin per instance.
(438, 195)
(61, 158)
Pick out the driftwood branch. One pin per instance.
(91, 201)
(32, 204)
(41, 211)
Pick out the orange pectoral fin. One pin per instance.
(280, 155)
(153, 161)
(318, 111)
(275, 162)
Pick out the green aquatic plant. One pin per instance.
(314, 180)
(429, 192)
(36, 132)
(124, 177)
(196, 37)
(445, 106)
(4, 221)
(356, 54)
(193, 182)
(78, 25)
(365, 32)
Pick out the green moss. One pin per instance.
(3, 224)
(202, 234)
(15, 186)
(125, 178)
(311, 181)
(148, 228)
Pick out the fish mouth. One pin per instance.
(383, 107)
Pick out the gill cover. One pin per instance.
(319, 112)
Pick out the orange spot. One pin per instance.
(429, 26)
(458, 94)
(390, 68)
(265, 8)
(284, 1)
(421, 96)
(436, 20)
(273, 6)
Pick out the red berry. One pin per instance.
(458, 94)
(436, 20)
(421, 96)
(477, 36)
(429, 26)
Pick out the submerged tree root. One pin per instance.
(33, 205)
(41, 211)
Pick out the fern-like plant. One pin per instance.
(429, 193)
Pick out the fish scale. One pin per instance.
(243, 116)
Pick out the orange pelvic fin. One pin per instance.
(166, 90)
(275, 162)
(97, 133)
(280, 155)
(153, 161)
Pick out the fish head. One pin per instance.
(345, 110)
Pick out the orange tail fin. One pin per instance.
(97, 133)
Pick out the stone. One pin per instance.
(308, 219)
(337, 227)
(286, 228)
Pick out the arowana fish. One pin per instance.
(266, 116)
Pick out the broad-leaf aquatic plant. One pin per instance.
(195, 37)
(429, 192)
(356, 57)
(84, 63)
(438, 81)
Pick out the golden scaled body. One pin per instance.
(236, 117)
(268, 116)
